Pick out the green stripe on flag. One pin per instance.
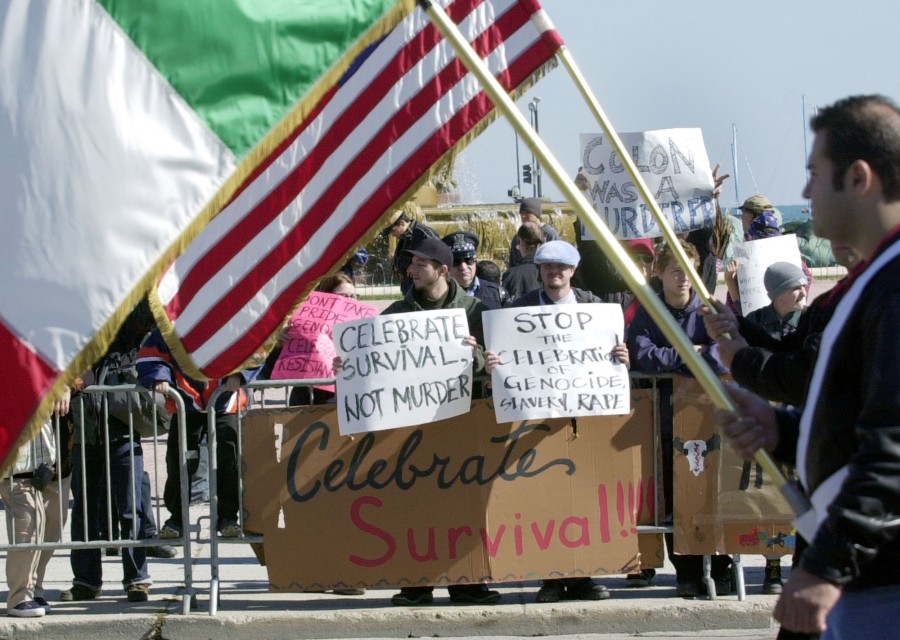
(242, 64)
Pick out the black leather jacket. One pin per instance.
(856, 423)
(779, 370)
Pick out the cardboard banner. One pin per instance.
(309, 350)
(754, 258)
(462, 500)
(403, 369)
(675, 166)
(557, 361)
(723, 504)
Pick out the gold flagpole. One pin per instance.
(763, 458)
(607, 241)
(635, 175)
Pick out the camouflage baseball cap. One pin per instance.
(757, 204)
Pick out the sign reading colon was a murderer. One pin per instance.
(673, 164)
(463, 500)
(309, 350)
(557, 361)
(403, 369)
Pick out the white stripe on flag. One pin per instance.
(101, 159)
(313, 250)
(244, 260)
(405, 89)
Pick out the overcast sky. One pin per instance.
(660, 64)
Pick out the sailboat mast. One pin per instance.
(734, 164)
(805, 152)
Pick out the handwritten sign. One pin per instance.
(754, 258)
(463, 500)
(403, 369)
(309, 350)
(673, 163)
(557, 361)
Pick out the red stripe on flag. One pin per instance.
(283, 194)
(218, 255)
(243, 291)
(28, 381)
(462, 122)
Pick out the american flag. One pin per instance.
(363, 150)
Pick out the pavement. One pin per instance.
(247, 610)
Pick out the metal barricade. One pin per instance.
(98, 394)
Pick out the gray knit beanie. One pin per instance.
(781, 277)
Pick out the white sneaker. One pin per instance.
(27, 609)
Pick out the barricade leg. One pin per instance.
(707, 577)
(182, 494)
(212, 442)
(738, 569)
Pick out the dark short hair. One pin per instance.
(863, 128)
(488, 270)
(665, 254)
(531, 234)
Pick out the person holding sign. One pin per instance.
(764, 225)
(786, 287)
(433, 288)
(557, 261)
(846, 440)
(653, 353)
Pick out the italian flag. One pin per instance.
(126, 126)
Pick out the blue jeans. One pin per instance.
(125, 480)
(865, 614)
(226, 456)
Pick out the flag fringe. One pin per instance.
(99, 343)
(181, 354)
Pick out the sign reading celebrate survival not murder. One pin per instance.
(402, 369)
(557, 361)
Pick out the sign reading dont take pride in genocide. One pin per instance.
(557, 361)
(403, 369)
(308, 351)
(673, 164)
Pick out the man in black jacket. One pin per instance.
(850, 466)
(408, 232)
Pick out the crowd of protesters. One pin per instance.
(779, 351)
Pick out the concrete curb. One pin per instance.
(626, 617)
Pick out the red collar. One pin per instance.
(861, 266)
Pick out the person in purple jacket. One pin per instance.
(651, 352)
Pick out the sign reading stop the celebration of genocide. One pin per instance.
(308, 351)
(557, 361)
(403, 369)
(673, 164)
